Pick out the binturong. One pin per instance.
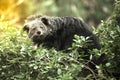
(58, 32)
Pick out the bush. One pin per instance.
(110, 37)
(19, 61)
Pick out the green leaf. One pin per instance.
(35, 67)
(59, 71)
(19, 76)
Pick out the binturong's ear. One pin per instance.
(26, 28)
(45, 21)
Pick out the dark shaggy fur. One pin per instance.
(58, 32)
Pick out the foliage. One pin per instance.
(19, 61)
(110, 37)
(15, 11)
(91, 11)
(9, 10)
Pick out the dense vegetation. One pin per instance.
(18, 61)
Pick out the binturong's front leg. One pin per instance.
(34, 46)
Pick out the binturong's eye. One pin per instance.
(26, 28)
(41, 27)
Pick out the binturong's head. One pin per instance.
(37, 28)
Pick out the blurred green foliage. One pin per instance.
(92, 11)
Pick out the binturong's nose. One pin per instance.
(38, 32)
